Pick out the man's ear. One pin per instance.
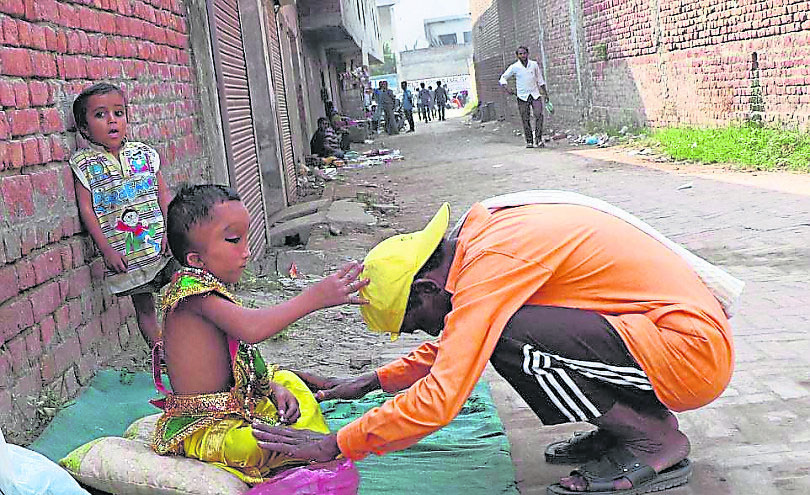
(194, 260)
(425, 286)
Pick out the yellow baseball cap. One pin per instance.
(390, 266)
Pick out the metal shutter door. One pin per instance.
(282, 114)
(237, 120)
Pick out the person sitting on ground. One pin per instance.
(590, 314)
(323, 141)
(220, 383)
(340, 127)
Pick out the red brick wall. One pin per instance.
(57, 323)
(665, 62)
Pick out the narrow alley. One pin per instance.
(754, 439)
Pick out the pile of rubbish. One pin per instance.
(371, 158)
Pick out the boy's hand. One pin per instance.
(340, 287)
(114, 260)
(164, 245)
(286, 403)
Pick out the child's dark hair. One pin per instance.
(190, 206)
(80, 103)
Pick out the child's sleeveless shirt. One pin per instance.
(124, 193)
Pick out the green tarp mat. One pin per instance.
(468, 457)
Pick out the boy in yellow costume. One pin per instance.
(220, 383)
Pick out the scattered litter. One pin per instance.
(293, 270)
(372, 158)
(688, 185)
(497, 165)
(591, 140)
(335, 230)
(623, 130)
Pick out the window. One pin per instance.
(467, 37)
(448, 39)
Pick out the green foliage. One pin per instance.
(749, 147)
(389, 65)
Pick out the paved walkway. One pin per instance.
(755, 439)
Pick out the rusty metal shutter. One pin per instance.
(282, 113)
(237, 119)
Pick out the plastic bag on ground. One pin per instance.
(338, 477)
(25, 472)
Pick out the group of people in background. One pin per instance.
(432, 102)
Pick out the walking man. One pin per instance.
(387, 101)
(441, 99)
(530, 87)
(407, 104)
(424, 101)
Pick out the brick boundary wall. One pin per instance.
(656, 63)
(58, 324)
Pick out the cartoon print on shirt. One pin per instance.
(137, 233)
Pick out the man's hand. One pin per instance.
(164, 245)
(298, 444)
(340, 388)
(286, 403)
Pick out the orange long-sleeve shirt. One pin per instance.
(553, 255)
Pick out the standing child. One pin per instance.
(122, 201)
(220, 383)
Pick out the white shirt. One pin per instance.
(528, 79)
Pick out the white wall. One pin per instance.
(409, 20)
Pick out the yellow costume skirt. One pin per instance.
(230, 443)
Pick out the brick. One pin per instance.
(47, 330)
(26, 277)
(66, 256)
(47, 265)
(21, 94)
(77, 252)
(27, 388)
(38, 39)
(24, 31)
(11, 243)
(14, 317)
(75, 313)
(59, 152)
(45, 300)
(87, 367)
(5, 128)
(67, 354)
(5, 372)
(39, 92)
(47, 367)
(44, 150)
(10, 32)
(17, 194)
(13, 7)
(28, 238)
(44, 64)
(23, 122)
(17, 354)
(51, 121)
(8, 283)
(51, 39)
(31, 151)
(33, 344)
(16, 62)
(89, 335)
(80, 281)
(7, 95)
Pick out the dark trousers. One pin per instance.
(425, 112)
(390, 121)
(570, 365)
(441, 110)
(537, 108)
(409, 118)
